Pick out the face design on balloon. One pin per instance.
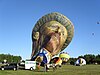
(54, 34)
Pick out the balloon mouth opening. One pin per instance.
(52, 42)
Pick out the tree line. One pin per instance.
(10, 58)
(90, 59)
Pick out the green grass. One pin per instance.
(64, 70)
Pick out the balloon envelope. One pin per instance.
(64, 56)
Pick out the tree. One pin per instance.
(90, 59)
(72, 61)
(9, 58)
(98, 59)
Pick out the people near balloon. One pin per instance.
(42, 57)
(80, 62)
(56, 61)
(51, 34)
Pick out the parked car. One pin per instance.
(11, 66)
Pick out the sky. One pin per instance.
(18, 17)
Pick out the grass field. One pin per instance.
(64, 70)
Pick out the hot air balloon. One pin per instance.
(51, 34)
(80, 62)
(92, 33)
(98, 22)
(64, 56)
(55, 62)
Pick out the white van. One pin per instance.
(30, 65)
